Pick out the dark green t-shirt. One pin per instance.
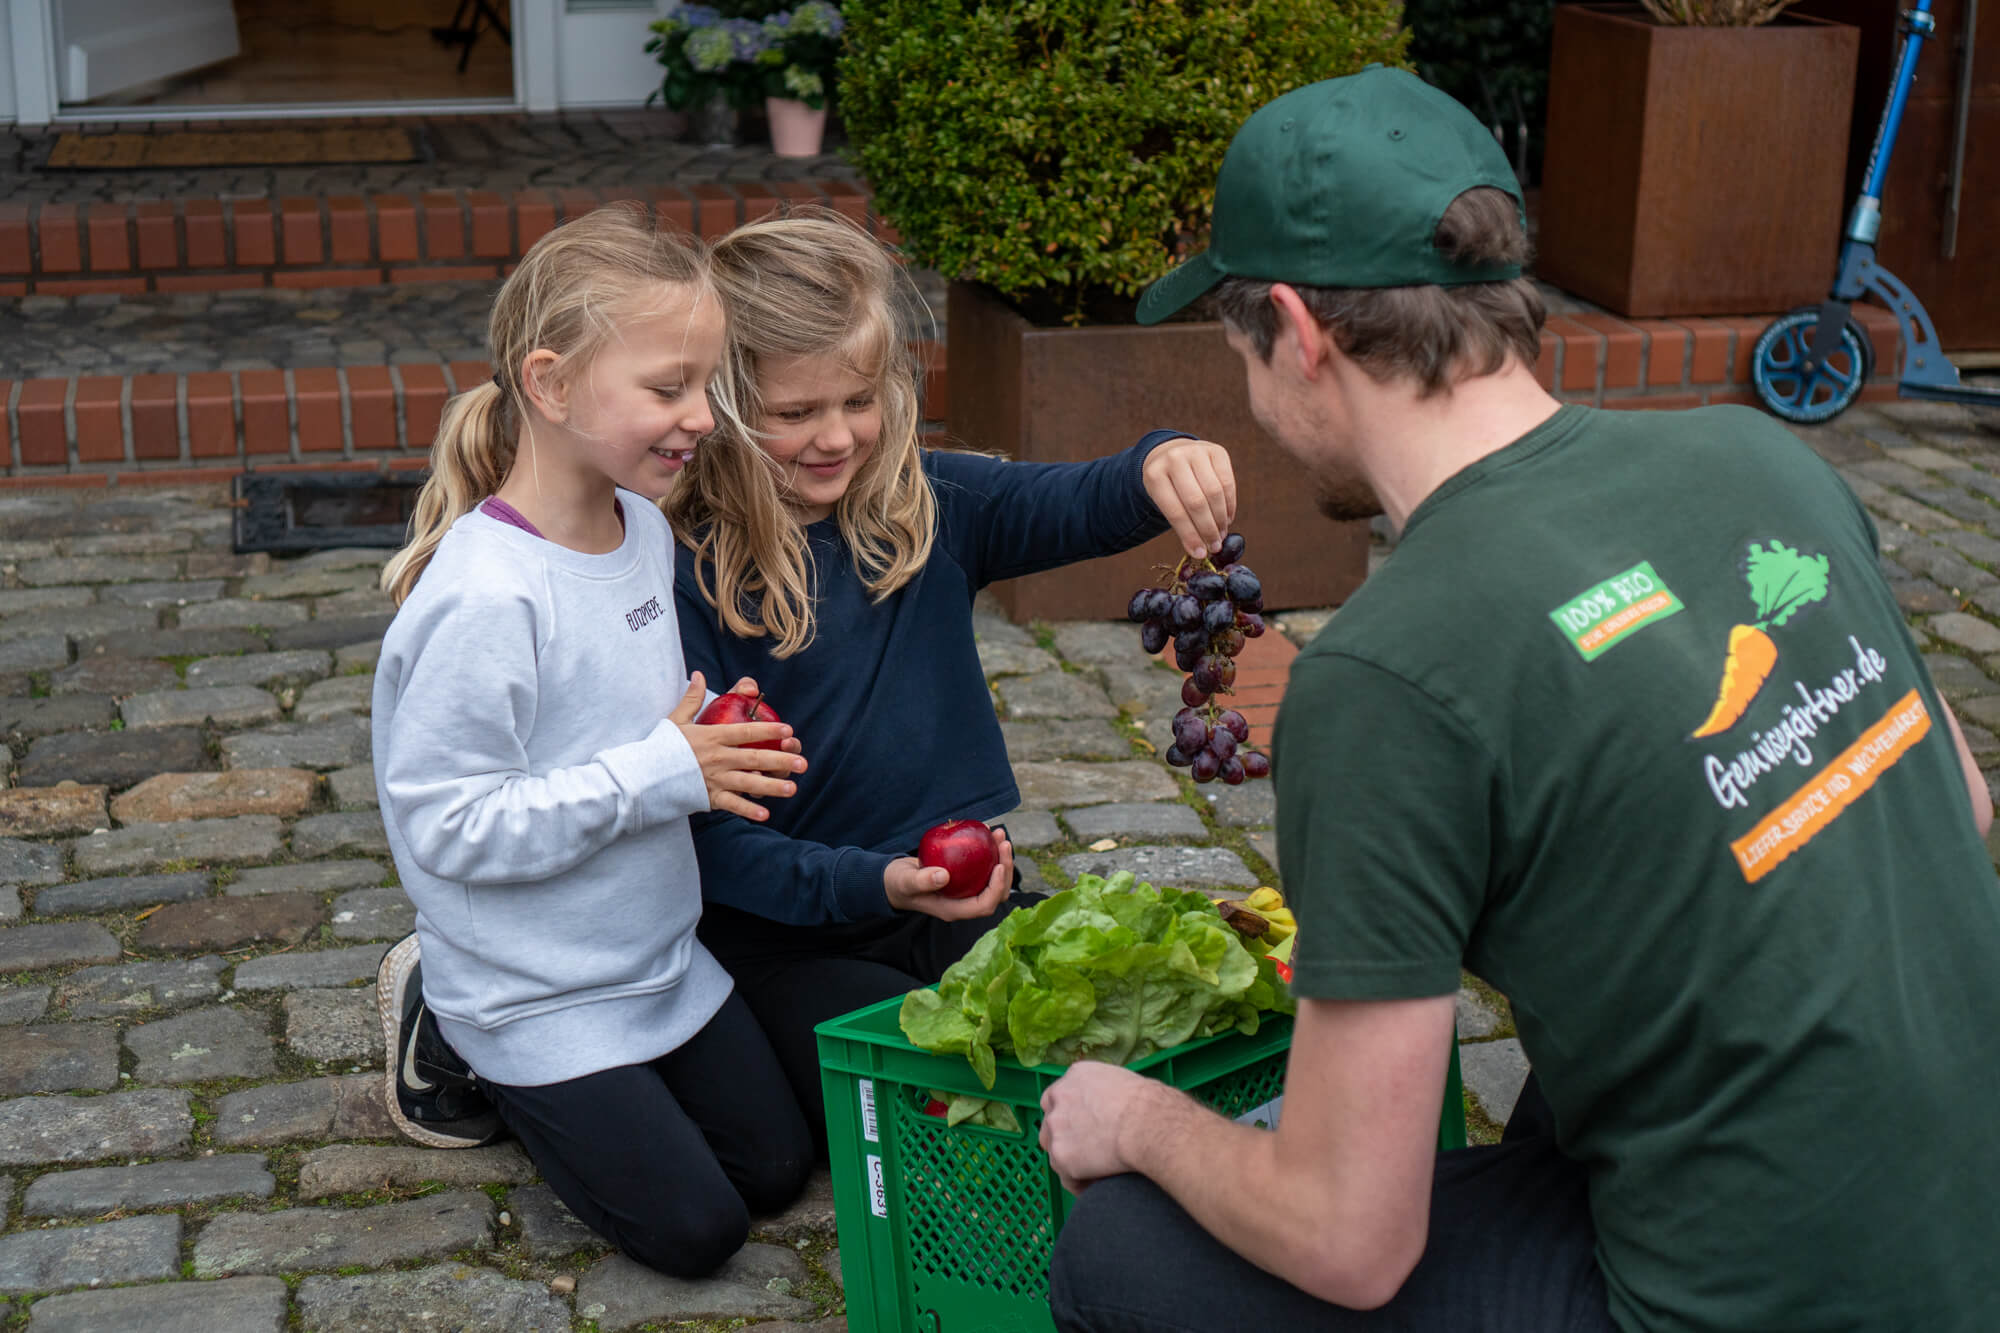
(1755, 969)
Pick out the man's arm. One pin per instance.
(1336, 1201)
(1975, 781)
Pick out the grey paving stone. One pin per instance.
(448, 1296)
(1941, 565)
(1181, 867)
(129, 543)
(115, 759)
(330, 698)
(1142, 689)
(354, 602)
(225, 923)
(29, 948)
(1251, 804)
(13, 601)
(77, 623)
(307, 582)
(372, 914)
(1162, 819)
(1889, 472)
(136, 985)
(306, 877)
(22, 1004)
(174, 592)
(103, 895)
(30, 863)
(10, 903)
(346, 831)
(224, 705)
(319, 968)
(1474, 1018)
(133, 1249)
(170, 643)
(752, 1285)
(1963, 507)
(990, 627)
(549, 1230)
(331, 634)
(300, 666)
(1030, 828)
(1098, 642)
(334, 1026)
(1967, 631)
(352, 1168)
(62, 712)
(1957, 678)
(335, 743)
(346, 1106)
(96, 569)
(42, 652)
(306, 1239)
(1031, 877)
(1090, 738)
(355, 657)
(201, 1045)
(113, 676)
(1053, 694)
(38, 1130)
(1059, 784)
(1004, 658)
(1493, 1072)
(809, 1215)
(1265, 844)
(99, 1189)
(353, 786)
(1975, 545)
(1922, 596)
(142, 846)
(232, 1305)
(241, 613)
(58, 1057)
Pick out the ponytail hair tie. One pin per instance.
(499, 383)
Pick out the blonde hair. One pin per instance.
(567, 296)
(808, 285)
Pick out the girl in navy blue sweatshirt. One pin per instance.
(827, 556)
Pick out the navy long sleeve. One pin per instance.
(889, 701)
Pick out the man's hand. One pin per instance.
(1083, 1115)
(913, 887)
(731, 772)
(1195, 489)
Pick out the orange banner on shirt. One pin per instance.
(1812, 807)
(1630, 618)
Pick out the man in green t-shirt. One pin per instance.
(1630, 726)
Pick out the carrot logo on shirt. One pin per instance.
(1782, 583)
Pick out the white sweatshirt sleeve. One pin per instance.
(456, 773)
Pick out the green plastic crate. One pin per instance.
(950, 1230)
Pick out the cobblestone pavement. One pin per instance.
(195, 890)
(503, 152)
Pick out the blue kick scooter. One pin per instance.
(1810, 364)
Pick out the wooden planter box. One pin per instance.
(1063, 395)
(1694, 171)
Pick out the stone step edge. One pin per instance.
(349, 240)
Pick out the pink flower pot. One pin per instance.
(796, 129)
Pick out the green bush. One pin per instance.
(1059, 150)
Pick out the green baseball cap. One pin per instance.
(1341, 184)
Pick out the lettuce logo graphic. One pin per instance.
(1783, 582)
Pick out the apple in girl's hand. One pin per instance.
(729, 709)
(964, 848)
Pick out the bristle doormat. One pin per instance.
(303, 146)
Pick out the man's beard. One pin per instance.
(1343, 496)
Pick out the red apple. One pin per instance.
(729, 709)
(964, 848)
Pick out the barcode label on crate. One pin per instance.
(1264, 1116)
(878, 1189)
(869, 1129)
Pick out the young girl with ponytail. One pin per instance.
(829, 557)
(537, 761)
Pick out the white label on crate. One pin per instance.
(870, 1130)
(878, 1188)
(1265, 1116)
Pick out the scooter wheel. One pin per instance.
(1788, 389)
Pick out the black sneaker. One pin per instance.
(432, 1094)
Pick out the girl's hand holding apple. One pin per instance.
(737, 758)
(913, 886)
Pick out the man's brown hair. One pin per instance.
(1434, 335)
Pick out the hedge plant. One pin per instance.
(1062, 150)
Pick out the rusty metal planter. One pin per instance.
(1062, 395)
(1694, 171)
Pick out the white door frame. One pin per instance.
(31, 27)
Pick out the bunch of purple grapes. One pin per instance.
(1208, 609)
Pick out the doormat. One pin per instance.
(305, 145)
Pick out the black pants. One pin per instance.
(1510, 1251)
(669, 1160)
(797, 977)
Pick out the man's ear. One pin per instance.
(546, 391)
(1299, 336)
